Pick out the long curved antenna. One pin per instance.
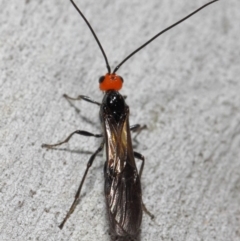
(157, 35)
(95, 36)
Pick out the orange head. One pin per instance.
(110, 82)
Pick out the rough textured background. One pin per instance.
(185, 86)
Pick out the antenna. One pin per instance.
(160, 33)
(95, 36)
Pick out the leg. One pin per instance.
(137, 128)
(82, 97)
(146, 211)
(141, 157)
(76, 199)
(84, 133)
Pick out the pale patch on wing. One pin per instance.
(116, 145)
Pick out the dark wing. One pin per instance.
(122, 184)
(124, 201)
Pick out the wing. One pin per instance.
(124, 201)
(122, 184)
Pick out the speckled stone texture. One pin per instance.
(185, 86)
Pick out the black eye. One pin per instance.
(121, 79)
(101, 79)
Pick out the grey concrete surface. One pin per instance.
(185, 86)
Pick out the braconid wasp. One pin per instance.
(122, 179)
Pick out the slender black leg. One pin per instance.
(82, 97)
(146, 211)
(76, 199)
(142, 158)
(137, 128)
(84, 133)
